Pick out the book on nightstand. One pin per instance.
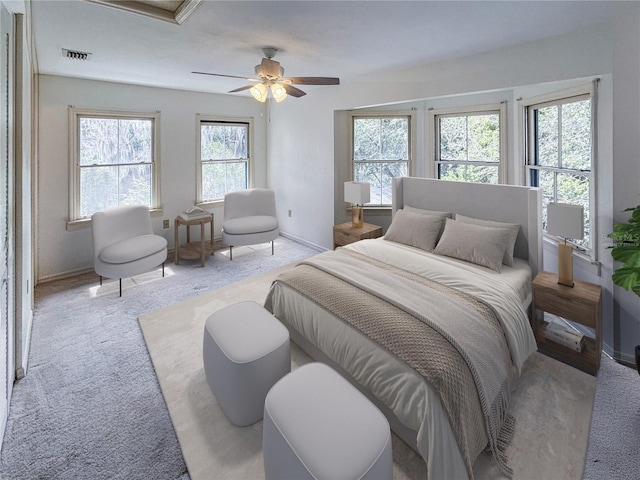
(568, 338)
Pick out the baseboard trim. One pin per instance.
(86, 271)
(62, 276)
(23, 368)
(170, 255)
(303, 242)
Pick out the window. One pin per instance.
(559, 155)
(115, 161)
(381, 150)
(223, 158)
(470, 145)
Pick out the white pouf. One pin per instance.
(245, 351)
(319, 426)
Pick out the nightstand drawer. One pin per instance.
(343, 238)
(566, 307)
(346, 233)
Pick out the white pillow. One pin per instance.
(474, 243)
(513, 228)
(421, 211)
(420, 231)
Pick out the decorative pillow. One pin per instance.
(513, 228)
(420, 231)
(474, 243)
(435, 213)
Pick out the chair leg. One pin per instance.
(271, 247)
(230, 253)
(162, 269)
(100, 280)
(120, 287)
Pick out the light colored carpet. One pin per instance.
(552, 403)
(614, 441)
(90, 406)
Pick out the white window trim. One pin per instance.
(76, 222)
(433, 145)
(411, 114)
(221, 119)
(557, 97)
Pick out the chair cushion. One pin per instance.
(133, 249)
(253, 224)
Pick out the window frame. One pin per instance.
(561, 97)
(222, 120)
(433, 137)
(411, 116)
(75, 221)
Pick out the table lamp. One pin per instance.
(565, 220)
(357, 193)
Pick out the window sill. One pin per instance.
(211, 203)
(82, 223)
(580, 253)
(374, 211)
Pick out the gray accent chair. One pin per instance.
(249, 218)
(124, 244)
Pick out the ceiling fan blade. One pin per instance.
(246, 87)
(228, 76)
(293, 91)
(313, 80)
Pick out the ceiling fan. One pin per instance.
(270, 76)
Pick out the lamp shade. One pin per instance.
(278, 91)
(565, 220)
(259, 92)
(356, 192)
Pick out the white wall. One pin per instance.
(301, 132)
(61, 251)
(626, 159)
(306, 158)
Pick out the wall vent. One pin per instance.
(75, 54)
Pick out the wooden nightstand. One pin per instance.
(345, 233)
(580, 304)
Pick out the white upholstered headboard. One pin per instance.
(501, 203)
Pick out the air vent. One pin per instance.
(75, 54)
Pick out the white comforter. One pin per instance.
(404, 391)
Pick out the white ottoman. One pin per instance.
(319, 426)
(245, 351)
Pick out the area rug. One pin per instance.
(552, 402)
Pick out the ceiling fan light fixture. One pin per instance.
(259, 92)
(278, 91)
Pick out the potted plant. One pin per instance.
(626, 250)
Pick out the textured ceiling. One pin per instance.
(349, 40)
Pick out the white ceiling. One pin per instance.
(349, 40)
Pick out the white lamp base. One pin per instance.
(565, 264)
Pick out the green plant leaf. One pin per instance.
(627, 254)
(627, 277)
(627, 251)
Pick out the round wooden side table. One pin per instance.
(193, 250)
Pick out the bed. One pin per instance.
(370, 310)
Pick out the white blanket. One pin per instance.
(496, 289)
(404, 391)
